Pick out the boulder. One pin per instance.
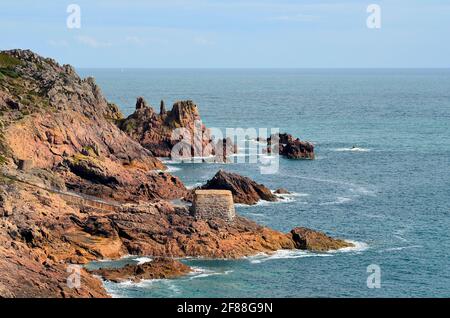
(281, 191)
(244, 189)
(307, 239)
(292, 148)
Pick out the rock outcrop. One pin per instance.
(307, 239)
(291, 148)
(281, 191)
(89, 192)
(244, 189)
(60, 122)
(156, 131)
(158, 268)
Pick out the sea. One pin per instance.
(381, 177)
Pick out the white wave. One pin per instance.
(394, 249)
(257, 214)
(166, 160)
(172, 168)
(143, 260)
(199, 272)
(339, 200)
(169, 169)
(354, 188)
(357, 247)
(353, 149)
(361, 190)
(172, 286)
(259, 203)
(399, 234)
(104, 260)
(283, 254)
(282, 198)
(401, 238)
(192, 186)
(291, 194)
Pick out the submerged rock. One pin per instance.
(244, 189)
(281, 191)
(157, 268)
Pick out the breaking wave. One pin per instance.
(352, 149)
(396, 249)
(339, 200)
(143, 260)
(199, 272)
(358, 247)
(283, 254)
(282, 198)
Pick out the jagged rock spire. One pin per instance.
(141, 103)
(162, 110)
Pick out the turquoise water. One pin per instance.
(392, 195)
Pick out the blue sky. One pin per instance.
(232, 33)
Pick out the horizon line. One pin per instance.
(268, 68)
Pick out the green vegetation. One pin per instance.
(2, 160)
(7, 65)
(115, 121)
(8, 72)
(90, 151)
(129, 126)
(79, 158)
(3, 147)
(7, 61)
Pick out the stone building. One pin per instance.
(208, 204)
(25, 165)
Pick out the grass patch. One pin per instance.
(7, 61)
(129, 126)
(2, 160)
(8, 72)
(7, 65)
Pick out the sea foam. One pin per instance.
(283, 254)
(357, 247)
(200, 272)
(353, 149)
(143, 260)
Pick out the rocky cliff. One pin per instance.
(75, 188)
(62, 123)
(155, 131)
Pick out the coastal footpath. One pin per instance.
(67, 154)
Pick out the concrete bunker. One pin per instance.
(209, 204)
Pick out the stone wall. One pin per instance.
(210, 204)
